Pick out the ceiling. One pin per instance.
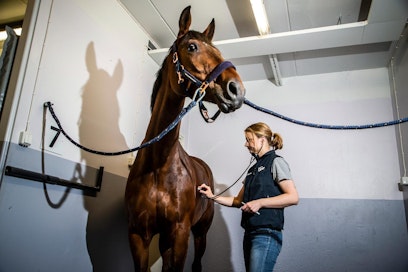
(307, 36)
(12, 14)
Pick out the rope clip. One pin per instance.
(200, 93)
(47, 104)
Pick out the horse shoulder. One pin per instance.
(197, 168)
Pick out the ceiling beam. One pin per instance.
(273, 61)
(303, 40)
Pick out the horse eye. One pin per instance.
(192, 47)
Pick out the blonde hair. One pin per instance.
(263, 130)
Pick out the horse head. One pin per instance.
(196, 60)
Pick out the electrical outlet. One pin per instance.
(404, 181)
(25, 138)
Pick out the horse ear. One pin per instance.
(184, 22)
(90, 58)
(209, 32)
(117, 76)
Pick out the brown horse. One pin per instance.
(161, 193)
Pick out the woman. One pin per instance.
(267, 189)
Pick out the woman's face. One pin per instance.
(252, 143)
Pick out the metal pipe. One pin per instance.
(30, 175)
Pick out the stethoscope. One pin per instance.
(254, 156)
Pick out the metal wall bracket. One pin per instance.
(25, 174)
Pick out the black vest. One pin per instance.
(259, 183)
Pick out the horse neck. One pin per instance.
(167, 107)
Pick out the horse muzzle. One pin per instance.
(232, 97)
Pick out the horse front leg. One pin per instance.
(140, 252)
(173, 247)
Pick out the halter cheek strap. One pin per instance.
(183, 73)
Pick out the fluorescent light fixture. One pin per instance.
(3, 34)
(258, 8)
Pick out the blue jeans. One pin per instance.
(261, 249)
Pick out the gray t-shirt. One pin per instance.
(280, 169)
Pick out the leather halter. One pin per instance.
(201, 85)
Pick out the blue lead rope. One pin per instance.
(350, 127)
(192, 104)
(155, 139)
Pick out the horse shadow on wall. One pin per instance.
(98, 124)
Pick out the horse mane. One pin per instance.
(157, 84)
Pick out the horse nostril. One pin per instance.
(233, 87)
(236, 94)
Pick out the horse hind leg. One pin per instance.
(140, 252)
(200, 239)
(200, 244)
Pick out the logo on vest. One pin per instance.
(261, 168)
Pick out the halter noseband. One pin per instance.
(201, 85)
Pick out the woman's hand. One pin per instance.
(251, 207)
(205, 190)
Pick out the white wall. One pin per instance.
(351, 164)
(398, 81)
(89, 58)
(356, 166)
